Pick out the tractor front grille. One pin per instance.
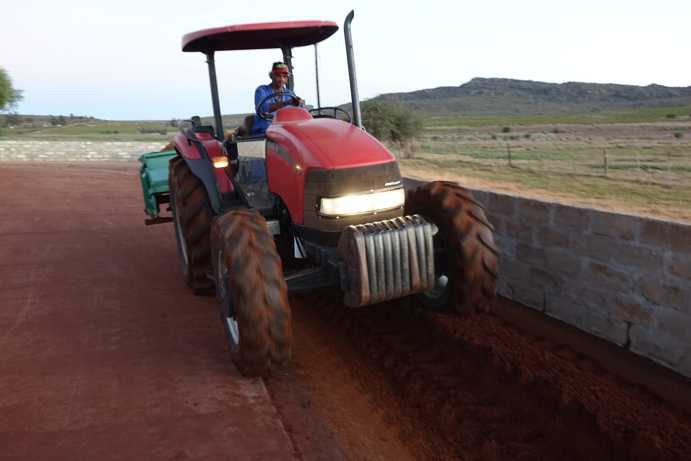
(387, 259)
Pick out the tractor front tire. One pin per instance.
(192, 215)
(466, 266)
(251, 292)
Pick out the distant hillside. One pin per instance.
(495, 96)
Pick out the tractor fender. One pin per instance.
(196, 157)
(203, 170)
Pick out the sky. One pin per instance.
(122, 60)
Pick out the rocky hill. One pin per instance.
(507, 96)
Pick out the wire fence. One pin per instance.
(663, 163)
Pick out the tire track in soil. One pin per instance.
(494, 392)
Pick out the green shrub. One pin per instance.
(671, 115)
(145, 130)
(678, 134)
(506, 129)
(390, 122)
(526, 136)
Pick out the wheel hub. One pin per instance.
(181, 239)
(224, 298)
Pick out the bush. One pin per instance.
(144, 130)
(671, 116)
(506, 129)
(390, 122)
(678, 134)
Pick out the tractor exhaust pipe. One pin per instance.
(355, 97)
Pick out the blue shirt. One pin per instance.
(263, 91)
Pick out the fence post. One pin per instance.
(604, 155)
(508, 153)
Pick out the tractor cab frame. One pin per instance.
(281, 35)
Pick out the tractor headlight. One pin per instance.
(355, 204)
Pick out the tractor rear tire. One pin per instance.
(192, 215)
(467, 273)
(251, 291)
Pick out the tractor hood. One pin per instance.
(328, 143)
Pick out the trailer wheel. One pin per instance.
(192, 217)
(251, 292)
(466, 257)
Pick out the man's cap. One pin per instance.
(280, 68)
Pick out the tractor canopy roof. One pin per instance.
(286, 34)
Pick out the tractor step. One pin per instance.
(308, 279)
(157, 220)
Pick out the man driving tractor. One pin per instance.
(283, 96)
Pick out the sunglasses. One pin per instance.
(281, 74)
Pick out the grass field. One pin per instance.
(638, 161)
(102, 130)
(642, 115)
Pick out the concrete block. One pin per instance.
(497, 221)
(519, 229)
(679, 265)
(587, 309)
(625, 255)
(662, 293)
(506, 245)
(572, 217)
(535, 211)
(673, 323)
(552, 236)
(504, 288)
(615, 225)
(604, 326)
(665, 234)
(515, 271)
(545, 280)
(563, 262)
(631, 308)
(502, 204)
(531, 254)
(659, 346)
(606, 278)
(637, 258)
(528, 295)
(566, 308)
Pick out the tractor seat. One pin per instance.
(204, 129)
(245, 129)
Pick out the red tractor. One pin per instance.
(315, 202)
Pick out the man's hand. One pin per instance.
(297, 101)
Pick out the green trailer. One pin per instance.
(154, 177)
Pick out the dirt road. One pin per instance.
(106, 355)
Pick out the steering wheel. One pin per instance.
(318, 112)
(269, 115)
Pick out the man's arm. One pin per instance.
(294, 101)
(259, 94)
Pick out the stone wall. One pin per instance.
(623, 278)
(79, 151)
